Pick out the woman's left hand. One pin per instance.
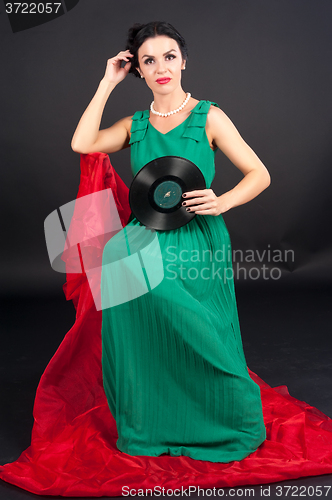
(203, 201)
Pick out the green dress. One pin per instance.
(174, 370)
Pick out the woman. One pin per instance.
(174, 370)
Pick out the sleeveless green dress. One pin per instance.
(174, 370)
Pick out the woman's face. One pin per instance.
(160, 63)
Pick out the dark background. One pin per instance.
(268, 66)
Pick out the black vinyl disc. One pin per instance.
(155, 194)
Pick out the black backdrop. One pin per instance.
(267, 64)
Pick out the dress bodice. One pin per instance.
(188, 140)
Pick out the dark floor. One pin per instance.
(286, 336)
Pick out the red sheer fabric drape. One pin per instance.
(73, 450)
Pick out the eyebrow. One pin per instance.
(172, 50)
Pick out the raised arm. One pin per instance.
(227, 138)
(87, 137)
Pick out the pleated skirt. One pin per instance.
(174, 370)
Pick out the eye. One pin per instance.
(148, 60)
(172, 56)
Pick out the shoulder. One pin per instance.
(217, 120)
(136, 125)
(218, 126)
(126, 122)
(215, 114)
(137, 116)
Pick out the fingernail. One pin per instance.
(188, 209)
(184, 203)
(184, 195)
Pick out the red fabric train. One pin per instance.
(73, 450)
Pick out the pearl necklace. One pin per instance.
(170, 112)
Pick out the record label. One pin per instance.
(167, 194)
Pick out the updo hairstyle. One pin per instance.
(138, 33)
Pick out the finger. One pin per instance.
(124, 54)
(119, 57)
(122, 58)
(193, 201)
(194, 193)
(193, 208)
(202, 206)
(204, 212)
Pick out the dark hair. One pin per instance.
(138, 33)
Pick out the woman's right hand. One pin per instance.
(114, 73)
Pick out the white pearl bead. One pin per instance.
(170, 112)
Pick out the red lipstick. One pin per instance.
(163, 80)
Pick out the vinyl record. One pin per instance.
(155, 194)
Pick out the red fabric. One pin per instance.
(73, 450)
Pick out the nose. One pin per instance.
(161, 68)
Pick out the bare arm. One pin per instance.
(256, 176)
(87, 137)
